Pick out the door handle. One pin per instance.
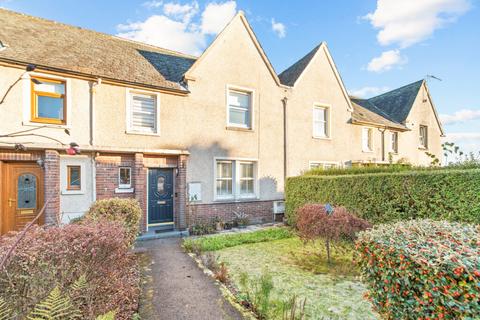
(10, 200)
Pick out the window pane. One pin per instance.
(241, 117)
(246, 170)
(224, 169)
(74, 177)
(246, 186)
(319, 114)
(49, 107)
(125, 176)
(239, 107)
(144, 112)
(51, 87)
(239, 99)
(224, 187)
(320, 129)
(27, 191)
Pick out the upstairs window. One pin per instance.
(424, 137)
(143, 113)
(367, 139)
(48, 100)
(239, 109)
(394, 142)
(320, 122)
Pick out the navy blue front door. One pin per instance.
(160, 196)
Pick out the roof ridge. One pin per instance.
(171, 52)
(388, 92)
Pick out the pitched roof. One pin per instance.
(365, 116)
(63, 47)
(394, 105)
(289, 76)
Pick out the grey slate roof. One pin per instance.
(364, 115)
(59, 46)
(289, 76)
(394, 105)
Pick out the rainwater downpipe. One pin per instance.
(382, 130)
(93, 88)
(284, 102)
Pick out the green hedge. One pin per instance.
(383, 197)
(422, 269)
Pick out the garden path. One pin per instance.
(175, 288)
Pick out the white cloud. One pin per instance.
(460, 116)
(180, 27)
(467, 141)
(153, 4)
(216, 16)
(367, 92)
(386, 61)
(408, 22)
(279, 28)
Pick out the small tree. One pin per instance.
(316, 221)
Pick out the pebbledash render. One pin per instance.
(191, 138)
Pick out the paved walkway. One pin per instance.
(176, 288)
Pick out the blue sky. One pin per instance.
(377, 45)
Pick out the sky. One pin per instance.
(377, 45)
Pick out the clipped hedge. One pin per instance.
(384, 197)
(422, 269)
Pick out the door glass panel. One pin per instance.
(27, 191)
(161, 185)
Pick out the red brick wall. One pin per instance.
(258, 211)
(106, 166)
(52, 185)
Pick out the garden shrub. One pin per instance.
(318, 221)
(448, 194)
(422, 269)
(59, 256)
(126, 211)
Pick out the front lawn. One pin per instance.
(296, 270)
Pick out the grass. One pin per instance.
(302, 271)
(218, 242)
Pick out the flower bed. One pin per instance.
(422, 269)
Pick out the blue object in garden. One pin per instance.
(329, 208)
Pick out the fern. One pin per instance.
(78, 291)
(55, 307)
(5, 312)
(107, 316)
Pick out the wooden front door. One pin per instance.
(22, 195)
(160, 196)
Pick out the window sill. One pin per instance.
(234, 128)
(239, 199)
(46, 125)
(321, 138)
(72, 192)
(367, 151)
(140, 133)
(124, 190)
(422, 148)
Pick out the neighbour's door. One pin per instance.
(160, 196)
(22, 195)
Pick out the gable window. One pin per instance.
(239, 109)
(74, 178)
(124, 178)
(367, 139)
(235, 179)
(143, 112)
(320, 122)
(424, 137)
(48, 101)
(394, 142)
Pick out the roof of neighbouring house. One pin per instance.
(394, 105)
(289, 76)
(365, 116)
(59, 46)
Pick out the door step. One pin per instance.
(152, 234)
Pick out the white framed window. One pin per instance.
(423, 137)
(124, 177)
(394, 142)
(235, 179)
(321, 122)
(239, 108)
(143, 112)
(367, 139)
(323, 164)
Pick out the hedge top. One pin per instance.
(429, 242)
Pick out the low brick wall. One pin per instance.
(258, 211)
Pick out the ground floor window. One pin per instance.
(235, 179)
(74, 178)
(323, 165)
(124, 177)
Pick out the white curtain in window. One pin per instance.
(144, 112)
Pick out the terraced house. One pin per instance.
(191, 138)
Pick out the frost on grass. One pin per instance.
(328, 296)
